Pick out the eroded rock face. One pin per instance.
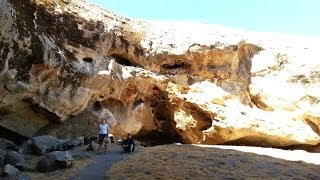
(73, 63)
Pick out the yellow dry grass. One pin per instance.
(193, 162)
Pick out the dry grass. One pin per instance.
(193, 162)
(60, 174)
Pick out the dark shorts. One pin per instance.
(101, 138)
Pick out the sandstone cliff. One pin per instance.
(66, 63)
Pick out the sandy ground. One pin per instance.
(216, 162)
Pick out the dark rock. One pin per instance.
(2, 154)
(60, 145)
(18, 176)
(44, 144)
(25, 167)
(88, 140)
(55, 160)
(26, 147)
(71, 144)
(13, 158)
(8, 145)
(9, 170)
(92, 146)
(21, 176)
(80, 155)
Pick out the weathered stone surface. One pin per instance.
(55, 160)
(25, 167)
(73, 143)
(13, 158)
(80, 154)
(2, 154)
(92, 146)
(21, 176)
(8, 145)
(164, 82)
(10, 170)
(60, 146)
(26, 147)
(44, 144)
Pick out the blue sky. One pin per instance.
(300, 17)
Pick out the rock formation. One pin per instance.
(66, 63)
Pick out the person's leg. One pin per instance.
(126, 148)
(105, 148)
(99, 142)
(101, 137)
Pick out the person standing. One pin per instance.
(103, 130)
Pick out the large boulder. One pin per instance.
(55, 160)
(12, 173)
(13, 158)
(164, 82)
(44, 144)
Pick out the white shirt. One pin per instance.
(103, 128)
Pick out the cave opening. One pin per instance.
(12, 136)
(97, 106)
(122, 60)
(88, 59)
(155, 138)
(175, 65)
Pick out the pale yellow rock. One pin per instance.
(161, 81)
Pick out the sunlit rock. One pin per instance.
(73, 63)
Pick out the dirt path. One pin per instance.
(101, 162)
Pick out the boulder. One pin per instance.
(20, 176)
(44, 144)
(25, 167)
(87, 140)
(93, 146)
(60, 145)
(55, 160)
(26, 147)
(8, 145)
(9, 170)
(71, 144)
(2, 154)
(80, 155)
(13, 158)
